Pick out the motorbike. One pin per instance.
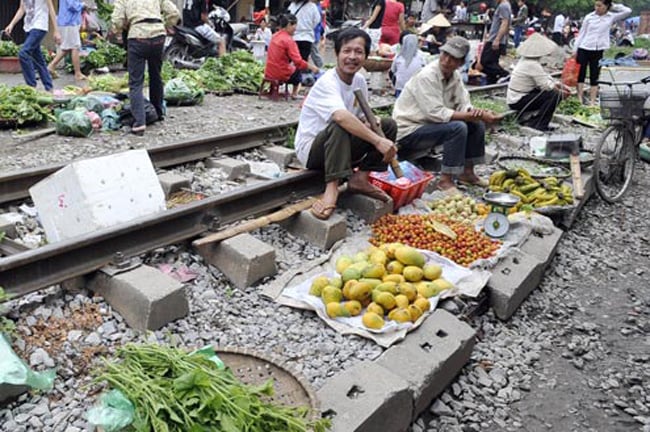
(188, 49)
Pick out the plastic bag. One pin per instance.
(110, 120)
(180, 92)
(89, 103)
(570, 72)
(114, 412)
(95, 119)
(14, 371)
(74, 123)
(126, 118)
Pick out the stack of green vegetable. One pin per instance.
(176, 391)
(589, 114)
(109, 83)
(8, 49)
(106, 54)
(244, 72)
(23, 104)
(213, 76)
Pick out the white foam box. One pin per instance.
(97, 193)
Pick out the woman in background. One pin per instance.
(393, 23)
(407, 63)
(593, 40)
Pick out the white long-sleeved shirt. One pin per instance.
(527, 76)
(594, 33)
(558, 24)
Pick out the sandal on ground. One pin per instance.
(138, 130)
(478, 182)
(53, 74)
(373, 192)
(321, 210)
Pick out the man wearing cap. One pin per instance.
(531, 88)
(496, 43)
(434, 108)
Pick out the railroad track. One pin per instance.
(26, 271)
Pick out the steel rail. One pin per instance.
(28, 271)
(15, 185)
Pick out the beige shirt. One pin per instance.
(127, 14)
(527, 76)
(429, 98)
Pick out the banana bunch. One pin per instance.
(543, 193)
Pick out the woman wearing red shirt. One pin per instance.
(283, 61)
(392, 23)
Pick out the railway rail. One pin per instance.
(26, 271)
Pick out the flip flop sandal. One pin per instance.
(322, 211)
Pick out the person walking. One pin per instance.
(372, 26)
(308, 17)
(36, 13)
(146, 22)
(69, 22)
(593, 40)
(520, 22)
(393, 23)
(496, 43)
(558, 29)
(319, 39)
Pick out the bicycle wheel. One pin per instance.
(614, 163)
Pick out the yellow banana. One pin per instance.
(497, 177)
(526, 189)
(522, 197)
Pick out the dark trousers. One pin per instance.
(463, 144)
(589, 58)
(544, 102)
(558, 38)
(305, 49)
(490, 63)
(141, 52)
(335, 151)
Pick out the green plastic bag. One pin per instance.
(114, 412)
(14, 371)
(179, 91)
(88, 103)
(74, 123)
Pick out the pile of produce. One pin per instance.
(212, 76)
(106, 54)
(172, 390)
(538, 194)
(459, 208)
(393, 279)
(458, 241)
(24, 105)
(242, 70)
(109, 83)
(588, 114)
(8, 49)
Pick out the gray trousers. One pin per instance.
(336, 152)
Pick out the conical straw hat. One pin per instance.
(536, 46)
(437, 21)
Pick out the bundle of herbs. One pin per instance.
(24, 105)
(176, 391)
(106, 54)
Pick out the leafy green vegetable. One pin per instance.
(8, 49)
(108, 82)
(24, 104)
(174, 391)
(106, 54)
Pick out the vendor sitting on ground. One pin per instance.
(531, 88)
(332, 138)
(283, 60)
(434, 32)
(434, 109)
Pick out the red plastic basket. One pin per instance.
(402, 194)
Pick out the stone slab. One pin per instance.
(146, 298)
(513, 278)
(430, 357)
(321, 233)
(543, 247)
(368, 209)
(172, 182)
(243, 259)
(233, 168)
(280, 155)
(366, 398)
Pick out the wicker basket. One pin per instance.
(377, 64)
(255, 369)
(622, 104)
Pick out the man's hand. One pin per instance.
(475, 114)
(57, 37)
(387, 148)
(491, 117)
(495, 45)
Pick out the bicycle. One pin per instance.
(628, 111)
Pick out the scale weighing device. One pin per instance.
(496, 223)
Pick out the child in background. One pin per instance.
(69, 22)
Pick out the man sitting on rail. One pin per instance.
(332, 138)
(434, 108)
(283, 62)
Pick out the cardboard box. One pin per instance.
(97, 193)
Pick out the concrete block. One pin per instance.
(513, 278)
(75, 284)
(10, 391)
(146, 298)
(543, 247)
(368, 209)
(366, 398)
(172, 182)
(243, 259)
(8, 223)
(321, 233)
(234, 168)
(280, 155)
(430, 357)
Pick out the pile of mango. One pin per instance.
(543, 193)
(391, 281)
